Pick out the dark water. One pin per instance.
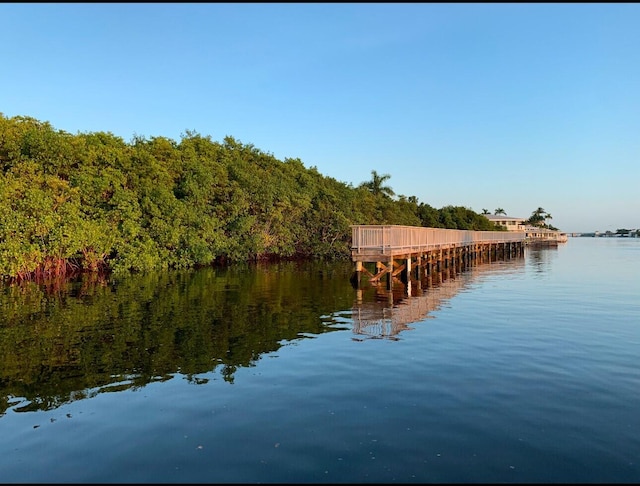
(525, 370)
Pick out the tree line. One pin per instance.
(94, 202)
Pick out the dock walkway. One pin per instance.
(421, 249)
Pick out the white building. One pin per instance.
(533, 233)
(511, 223)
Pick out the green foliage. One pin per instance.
(92, 201)
(459, 217)
(376, 187)
(429, 216)
(40, 220)
(539, 218)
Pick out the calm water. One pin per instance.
(520, 371)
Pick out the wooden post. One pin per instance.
(358, 273)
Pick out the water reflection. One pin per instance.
(541, 258)
(67, 341)
(72, 340)
(379, 312)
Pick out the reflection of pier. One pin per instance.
(379, 312)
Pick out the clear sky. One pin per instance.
(513, 106)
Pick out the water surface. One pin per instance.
(523, 370)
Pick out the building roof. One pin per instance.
(502, 217)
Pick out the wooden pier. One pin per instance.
(411, 251)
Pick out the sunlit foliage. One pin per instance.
(93, 202)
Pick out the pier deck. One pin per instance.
(420, 249)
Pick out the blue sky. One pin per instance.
(513, 106)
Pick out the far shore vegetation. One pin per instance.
(92, 202)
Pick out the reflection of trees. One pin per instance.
(58, 342)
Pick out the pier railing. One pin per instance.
(397, 239)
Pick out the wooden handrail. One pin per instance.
(412, 238)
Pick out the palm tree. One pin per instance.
(485, 211)
(500, 211)
(537, 217)
(375, 185)
(546, 217)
